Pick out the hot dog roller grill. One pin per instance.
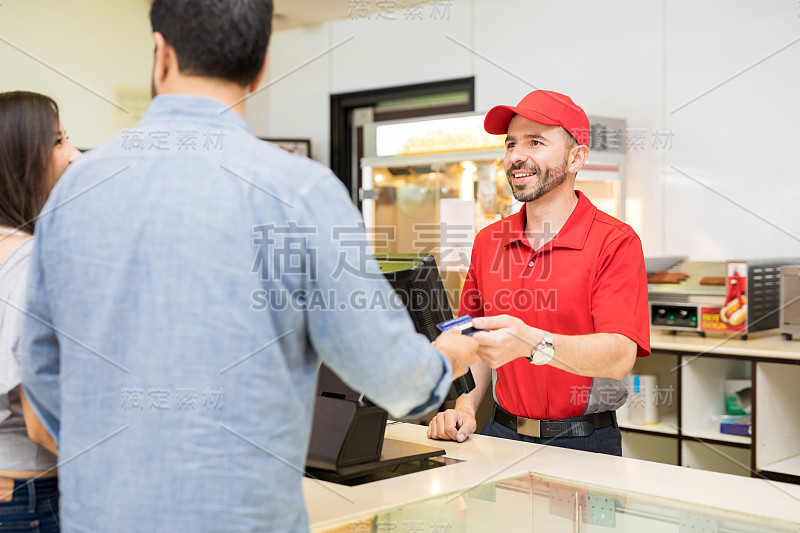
(738, 297)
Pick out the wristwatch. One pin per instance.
(543, 352)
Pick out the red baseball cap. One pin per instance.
(544, 107)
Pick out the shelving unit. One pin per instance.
(688, 433)
(659, 449)
(703, 388)
(715, 457)
(778, 437)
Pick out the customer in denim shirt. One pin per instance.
(186, 280)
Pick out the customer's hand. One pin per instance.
(453, 424)
(461, 350)
(507, 338)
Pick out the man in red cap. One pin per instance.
(561, 290)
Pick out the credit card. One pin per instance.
(463, 322)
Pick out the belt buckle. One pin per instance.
(529, 427)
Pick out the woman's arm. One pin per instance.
(36, 430)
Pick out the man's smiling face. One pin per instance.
(536, 158)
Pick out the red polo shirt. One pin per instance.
(590, 278)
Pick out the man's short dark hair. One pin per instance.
(569, 140)
(224, 39)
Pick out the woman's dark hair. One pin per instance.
(224, 39)
(28, 133)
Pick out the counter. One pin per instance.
(487, 459)
(767, 344)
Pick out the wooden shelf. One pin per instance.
(777, 418)
(763, 344)
(667, 426)
(712, 432)
(716, 457)
(790, 466)
(653, 447)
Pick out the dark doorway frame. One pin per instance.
(342, 105)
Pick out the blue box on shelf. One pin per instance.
(736, 425)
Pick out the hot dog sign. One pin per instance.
(732, 316)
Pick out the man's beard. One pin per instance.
(545, 182)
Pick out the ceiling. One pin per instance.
(293, 13)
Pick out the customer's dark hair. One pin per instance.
(28, 133)
(224, 39)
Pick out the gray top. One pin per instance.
(17, 451)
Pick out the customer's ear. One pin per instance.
(162, 59)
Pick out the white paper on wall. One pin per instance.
(456, 233)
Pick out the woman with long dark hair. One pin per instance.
(34, 152)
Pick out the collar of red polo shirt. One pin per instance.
(572, 235)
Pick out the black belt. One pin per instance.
(577, 426)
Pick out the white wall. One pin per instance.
(639, 60)
(89, 45)
(593, 53)
(307, 65)
(739, 139)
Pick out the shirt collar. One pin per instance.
(572, 235)
(174, 106)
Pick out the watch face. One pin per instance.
(543, 355)
(544, 352)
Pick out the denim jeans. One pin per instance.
(33, 508)
(606, 440)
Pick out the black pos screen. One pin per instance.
(415, 278)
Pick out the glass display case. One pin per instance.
(540, 504)
(428, 186)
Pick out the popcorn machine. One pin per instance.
(429, 185)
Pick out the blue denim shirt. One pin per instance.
(186, 280)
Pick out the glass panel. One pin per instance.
(538, 504)
(407, 215)
(603, 194)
